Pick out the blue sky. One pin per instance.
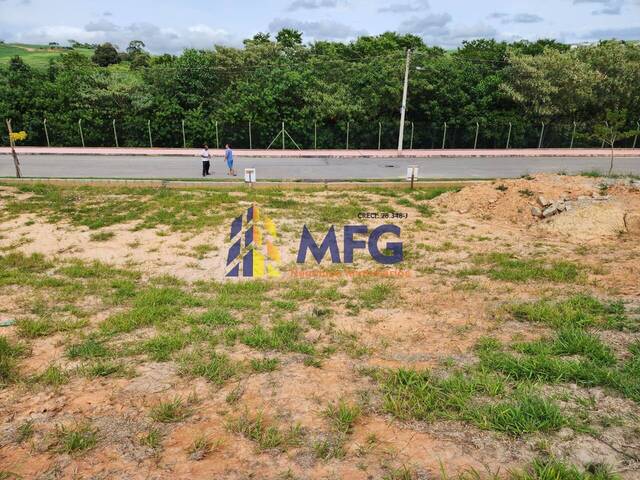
(172, 26)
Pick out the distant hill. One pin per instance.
(36, 56)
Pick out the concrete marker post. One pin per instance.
(379, 135)
(217, 137)
(573, 134)
(149, 130)
(184, 137)
(509, 136)
(250, 140)
(541, 136)
(635, 139)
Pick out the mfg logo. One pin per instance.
(253, 251)
(350, 244)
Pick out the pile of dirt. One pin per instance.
(511, 200)
(586, 213)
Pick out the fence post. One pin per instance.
(315, 134)
(81, 134)
(573, 134)
(46, 132)
(509, 136)
(217, 138)
(149, 130)
(348, 125)
(411, 142)
(115, 133)
(283, 146)
(379, 135)
(444, 136)
(12, 144)
(250, 140)
(475, 142)
(635, 139)
(541, 136)
(184, 137)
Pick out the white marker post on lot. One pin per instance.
(250, 176)
(412, 174)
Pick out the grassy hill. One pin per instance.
(37, 56)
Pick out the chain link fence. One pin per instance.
(193, 132)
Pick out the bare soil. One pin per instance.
(434, 317)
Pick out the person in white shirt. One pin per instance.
(206, 160)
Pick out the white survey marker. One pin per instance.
(250, 175)
(412, 172)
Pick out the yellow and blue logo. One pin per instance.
(253, 252)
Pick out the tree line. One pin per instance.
(502, 91)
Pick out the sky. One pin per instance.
(169, 27)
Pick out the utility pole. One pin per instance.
(403, 109)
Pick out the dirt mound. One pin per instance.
(590, 215)
(511, 200)
(588, 222)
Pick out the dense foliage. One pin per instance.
(323, 87)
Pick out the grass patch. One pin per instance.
(216, 368)
(576, 311)
(52, 376)
(102, 236)
(267, 437)
(374, 296)
(283, 336)
(215, 317)
(75, 439)
(161, 347)
(525, 414)
(552, 469)
(45, 326)
(10, 352)
(170, 411)
(509, 268)
(151, 306)
(262, 365)
(342, 416)
(106, 368)
(88, 349)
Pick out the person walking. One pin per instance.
(206, 160)
(228, 156)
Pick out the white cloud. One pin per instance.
(407, 7)
(507, 18)
(608, 7)
(312, 4)
(317, 30)
(157, 39)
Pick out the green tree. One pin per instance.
(612, 130)
(105, 55)
(288, 37)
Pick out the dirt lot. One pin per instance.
(507, 348)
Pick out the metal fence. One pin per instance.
(188, 133)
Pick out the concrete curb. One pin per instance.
(189, 152)
(332, 185)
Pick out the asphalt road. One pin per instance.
(144, 167)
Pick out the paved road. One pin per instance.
(144, 167)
